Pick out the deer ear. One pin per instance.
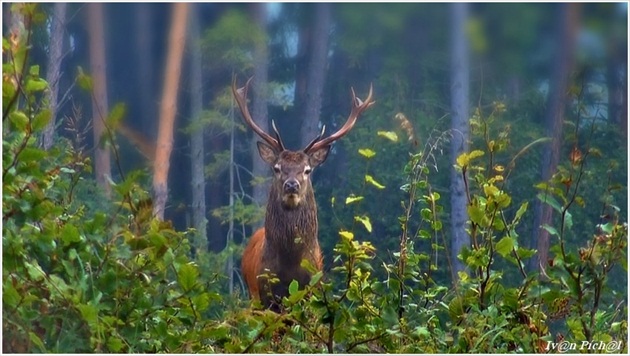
(267, 153)
(318, 156)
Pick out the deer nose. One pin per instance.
(291, 186)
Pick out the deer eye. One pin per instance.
(307, 170)
(276, 168)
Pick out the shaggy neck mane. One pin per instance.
(290, 230)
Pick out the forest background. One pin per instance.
(479, 206)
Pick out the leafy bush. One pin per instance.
(80, 276)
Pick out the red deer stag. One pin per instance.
(290, 231)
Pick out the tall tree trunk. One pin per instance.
(196, 141)
(554, 117)
(460, 82)
(617, 70)
(260, 191)
(302, 58)
(55, 55)
(316, 72)
(102, 164)
(168, 107)
(144, 64)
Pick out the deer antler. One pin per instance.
(241, 99)
(358, 107)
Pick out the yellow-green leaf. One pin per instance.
(34, 70)
(37, 341)
(505, 245)
(474, 154)
(293, 287)
(41, 119)
(89, 313)
(84, 80)
(19, 119)
(115, 344)
(346, 234)
(35, 85)
(490, 190)
(371, 180)
(390, 135)
(476, 214)
(365, 220)
(366, 152)
(464, 159)
(353, 199)
(521, 211)
(187, 276)
(116, 115)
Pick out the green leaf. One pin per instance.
(70, 234)
(293, 287)
(505, 246)
(316, 278)
(370, 179)
(346, 234)
(366, 152)
(490, 190)
(568, 220)
(548, 199)
(390, 135)
(34, 70)
(365, 220)
(476, 214)
(84, 81)
(521, 210)
(426, 214)
(89, 313)
(551, 230)
(464, 159)
(202, 301)
(41, 119)
(607, 228)
(10, 295)
(37, 341)
(35, 272)
(187, 276)
(116, 115)
(19, 120)
(422, 331)
(353, 199)
(32, 154)
(524, 253)
(114, 344)
(35, 85)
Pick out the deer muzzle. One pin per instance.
(291, 186)
(291, 196)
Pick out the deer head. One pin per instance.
(292, 169)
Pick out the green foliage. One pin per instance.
(240, 212)
(525, 316)
(79, 277)
(233, 37)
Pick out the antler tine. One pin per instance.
(241, 99)
(321, 134)
(358, 107)
(275, 129)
